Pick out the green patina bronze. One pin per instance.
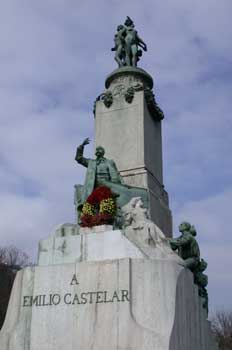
(187, 246)
(103, 171)
(202, 281)
(188, 249)
(107, 99)
(127, 43)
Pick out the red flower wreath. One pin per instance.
(99, 194)
(99, 208)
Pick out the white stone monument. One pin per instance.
(107, 287)
(134, 125)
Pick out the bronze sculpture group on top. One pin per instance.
(127, 43)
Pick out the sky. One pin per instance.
(54, 58)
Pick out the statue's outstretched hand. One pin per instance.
(86, 142)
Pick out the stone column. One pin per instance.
(128, 126)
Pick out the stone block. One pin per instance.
(93, 244)
(137, 143)
(136, 304)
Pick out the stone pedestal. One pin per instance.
(118, 291)
(129, 128)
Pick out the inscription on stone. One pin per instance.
(80, 298)
(74, 280)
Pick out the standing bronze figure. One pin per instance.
(127, 43)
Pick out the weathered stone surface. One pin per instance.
(95, 229)
(94, 244)
(136, 146)
(15, 333)
(128, 76)
(104, 290)
(143, 232)
(125, 125)
(150, 310)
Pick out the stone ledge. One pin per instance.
(95, 229)
(93, 245)
(134, 71)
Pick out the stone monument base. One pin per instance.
(143, 300)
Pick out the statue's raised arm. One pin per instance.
(103, 172)
(80, 151)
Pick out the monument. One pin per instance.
(128, 124)
(116, 279)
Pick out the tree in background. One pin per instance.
(11, 260)
(222, 329)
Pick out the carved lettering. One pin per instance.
(84, 299)
(99, 297)
(96, 297)
(67, 298)
(56, 299)
(115, 296)
(74, 280)
(105, 298)
(35, 300)
(125, 294)
(91, 297)
(44, 301)
(26, 300)
(76, 300)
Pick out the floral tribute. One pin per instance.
(99, 208)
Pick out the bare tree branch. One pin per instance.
(11, 260)
(12, 256)
(222, 329)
